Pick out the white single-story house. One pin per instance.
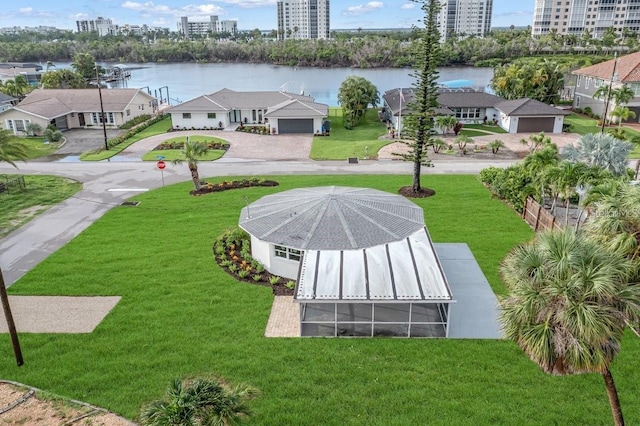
(77, 108)
(471, 106)
(363, 259)
(283, 112)
(528, 116)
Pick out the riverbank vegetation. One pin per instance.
(360, 49)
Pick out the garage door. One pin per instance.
(536, 124)
(61, 123)
(301, 125)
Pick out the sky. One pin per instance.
(250, 14)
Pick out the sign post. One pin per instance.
(161, 165)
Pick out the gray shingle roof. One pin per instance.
(447, 99)
(227, 99)
(527, 106)
(332, 218)
(4, 99)
(295, 108)
(52, 103)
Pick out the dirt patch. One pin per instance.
(21, 405)
(25, 215)
(407, 191)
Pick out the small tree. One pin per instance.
(536, 141)
(33, 129)
(355, 95)
(445, 123)
(462, 141)
(496, 145)
(192, 153)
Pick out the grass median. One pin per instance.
(182, 316)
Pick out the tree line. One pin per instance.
(360, 49)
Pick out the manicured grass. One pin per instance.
(472, 133)
(362, 141)
(41, 193)
(173, 154)
(180, 315)
(36, 147)
(155, 129)
(582, 124)
(486, 127)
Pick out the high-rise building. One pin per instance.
(103, 26)
(303, 19)
(189, 29)
(464, 17)
(573, 17)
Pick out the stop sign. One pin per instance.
(161, 164)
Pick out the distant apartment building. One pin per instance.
(303, 19)
(572, 17)
(190, 29)
(103, 26)
(465, 18)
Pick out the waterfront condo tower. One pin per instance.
(464, 17)
(573, 17)
(303, 19)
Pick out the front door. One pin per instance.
(235, 116)
(81, 119)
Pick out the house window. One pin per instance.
(211, 115)
(577, 101)
(579, 81)
(95, 118)
(21, 125)
(287, 253)
(10, 125)
(467, 113)
(598, 83)
(128, 112)
(586, 82)
(186, 115)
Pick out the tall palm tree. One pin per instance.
(11, 150)
(199, 402)
(567, 305)
(622, 95)
(192, 153)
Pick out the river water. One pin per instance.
(189, 80)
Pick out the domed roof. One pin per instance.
(332, 218)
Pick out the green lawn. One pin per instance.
(180, 315)
(41, 192)
(173, 154)
(473, 133)
(155, 129)
(485, 127)
(362, 141)
(36, 147)
(582, 125)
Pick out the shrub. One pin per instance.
(290, 285)
(274, 279)
(136, 120)
(496, 145)
(587, 111)
(53, 135)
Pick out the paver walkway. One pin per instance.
(284, 320)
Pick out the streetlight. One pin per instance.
(103, 118)
(606, 105)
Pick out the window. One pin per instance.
(287, 253)
(95, 118)
(211, 115)
(186, 115)
(578, 101)
(579, 81)
(128, 112)
(586, 82)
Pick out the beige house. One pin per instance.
(77, 108)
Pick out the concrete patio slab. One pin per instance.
(475, 313)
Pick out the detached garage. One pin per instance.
(530, 116)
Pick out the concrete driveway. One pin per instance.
(241, 145)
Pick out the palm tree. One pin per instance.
(622, 95)
(445, 122)
(567, 305)
(600, 149)
(11, 150)
(199, 402)
(623, 114)
(192, 152)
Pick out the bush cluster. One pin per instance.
(213, 144)
(259, 130)
(135, 121)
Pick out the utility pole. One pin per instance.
(103, 118)
(606, 105)
(10, 324)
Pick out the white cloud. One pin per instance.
(79, 16)
(193, 10)
(408, 6)
(514, 13)
(362, 9)
(26, 10)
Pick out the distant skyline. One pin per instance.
(250, 14)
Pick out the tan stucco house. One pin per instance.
(77, 108)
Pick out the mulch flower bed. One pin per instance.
(208, 187)
(231, 251)
(180, 145)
